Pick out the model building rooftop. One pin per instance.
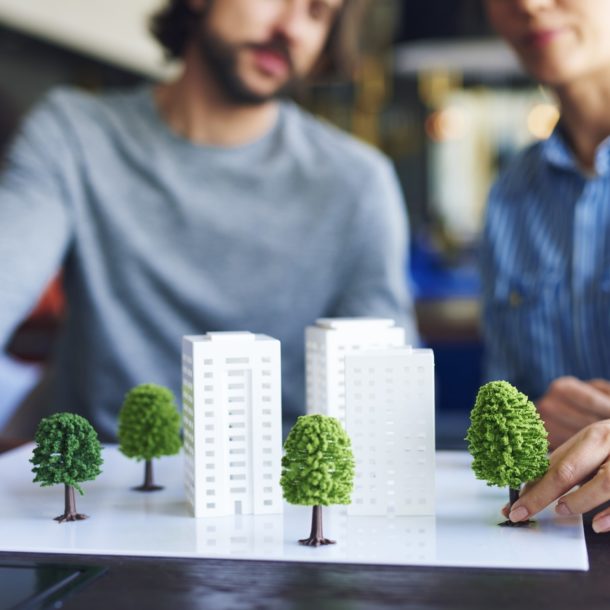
(348, 323)
(227, 337)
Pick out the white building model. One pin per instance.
(232, 423)
(327, 343)
(390, 420)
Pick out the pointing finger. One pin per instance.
(584, 457)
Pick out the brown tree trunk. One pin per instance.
(513, 496)
(70, 500)
(149, 479)
(316, 536)
(148, 474)
(70, 513)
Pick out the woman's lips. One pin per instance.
(541, 38)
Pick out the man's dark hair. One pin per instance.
(174, 24)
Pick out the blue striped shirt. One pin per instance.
(545, 264)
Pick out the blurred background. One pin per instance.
(436, 91)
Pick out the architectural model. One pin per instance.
(128, 524)
(232, 423)
(390, 418)
(327, 344)
(507, 439)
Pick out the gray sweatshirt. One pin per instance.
(159, 237)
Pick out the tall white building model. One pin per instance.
(232, 423)
(327, 343)
(390, 420)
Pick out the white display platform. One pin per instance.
(124, 522)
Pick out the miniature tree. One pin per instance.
(506, 438)
(67, 451)
(149, 427)
(317, 469)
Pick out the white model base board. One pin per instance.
(124, 522)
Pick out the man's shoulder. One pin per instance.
(330, 145)
(64, 96)
(74, 106)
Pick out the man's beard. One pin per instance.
(220, 58)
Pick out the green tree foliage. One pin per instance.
(67, 451)
(506, 438)
(318, 466)
(149, 423)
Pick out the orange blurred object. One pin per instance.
(52, 303)
(34, 338)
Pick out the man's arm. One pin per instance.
(34, 222)
(377, 276)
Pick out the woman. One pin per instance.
(546, 249)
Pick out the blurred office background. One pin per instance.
(435, 90)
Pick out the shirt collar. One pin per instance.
(556, 152)
(602, 158)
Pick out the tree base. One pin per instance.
(70, 517)
(315, 541)
(509, 523)
(148, 488)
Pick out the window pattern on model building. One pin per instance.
(198, 465)
(339, 391)
(420, 442)
(237, 440)
(210, 440)
(389, 416)
(238, 384)
(264, 475)
(315, 369)
(325, 357)
(187, 424)
(208, 425)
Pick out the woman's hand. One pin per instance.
(582, 460)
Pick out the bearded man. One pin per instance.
(209, 203)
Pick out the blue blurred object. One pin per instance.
(458, 362)
(458, 374)
(432, 277)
